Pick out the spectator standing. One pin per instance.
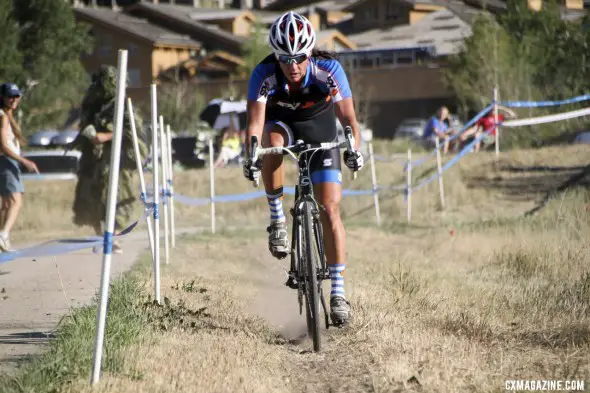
(11, 185)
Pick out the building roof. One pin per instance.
(285, 5)
(136, 26)
(464, 11)
(442, 30)
(188, 15)
(354, 4)
(323, 35)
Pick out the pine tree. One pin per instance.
(255, 49)
(10, 66)
(51, 43)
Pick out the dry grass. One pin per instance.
(458, 301)
(500, 297)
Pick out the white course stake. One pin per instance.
(441, 189)
(171, 187)
(496, 122)
(164, 162)
(409, 187)
(110, 215)
(156, 186)
(212, 184)
(374, 179)
(140, 170)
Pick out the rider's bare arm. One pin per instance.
(347, 116)
(256, 114)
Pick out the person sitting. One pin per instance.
(231, 147)
(438, 128)
(486, 123)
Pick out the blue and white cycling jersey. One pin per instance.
(324, 81)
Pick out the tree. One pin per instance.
(529, 55)
(10, 66)
(50, 42)
(255, 49)
(180, 105)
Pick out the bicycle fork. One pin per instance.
(323, 273)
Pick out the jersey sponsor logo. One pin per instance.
(330, 82)
(328, 162)
(289, 105)
(263, 90)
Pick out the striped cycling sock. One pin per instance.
(275, 203)
(337, 279)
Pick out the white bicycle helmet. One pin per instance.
(292, 35)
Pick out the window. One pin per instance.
(132, 49)
(387, 58)
(371, 13)
(106, 45)
(393, 10)
(134, 77)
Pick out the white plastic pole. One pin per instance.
(409, 187)
(374, 180)
(140, 170)
(164, 162)
(496, 122)
(171, 187)
(212, 184)
(110, 214)
(441, 189)
(156, 186)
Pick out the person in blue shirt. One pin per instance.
(437, 127)
(296, 93)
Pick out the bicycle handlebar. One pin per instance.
(299, 147)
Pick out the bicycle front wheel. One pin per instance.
(312, 288)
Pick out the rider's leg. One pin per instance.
(328, 192)
(273, 176)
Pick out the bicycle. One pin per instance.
(308, 263)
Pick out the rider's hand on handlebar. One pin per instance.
(354, 160)
(252, 169)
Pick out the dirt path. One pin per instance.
(35, 294)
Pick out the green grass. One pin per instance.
(69, 354)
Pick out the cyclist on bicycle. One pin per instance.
(295, 94)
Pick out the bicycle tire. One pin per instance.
(312, 289)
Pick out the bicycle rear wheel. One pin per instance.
(312, 288)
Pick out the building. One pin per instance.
(151, 48)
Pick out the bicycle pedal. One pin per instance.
(292, 283)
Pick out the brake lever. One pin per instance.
(254, 155)
(350, 138)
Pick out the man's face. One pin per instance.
(294, 68)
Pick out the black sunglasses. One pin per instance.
(292, 59)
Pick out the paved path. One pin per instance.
(35, 294)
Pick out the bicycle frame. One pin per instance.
(297, 279)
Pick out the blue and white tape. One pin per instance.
(540, 104)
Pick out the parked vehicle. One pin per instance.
(52, 164)
(411, 128)
(42, 138)
(64, 137)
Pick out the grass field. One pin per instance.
(459, 300)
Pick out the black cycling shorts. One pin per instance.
(324, 165)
